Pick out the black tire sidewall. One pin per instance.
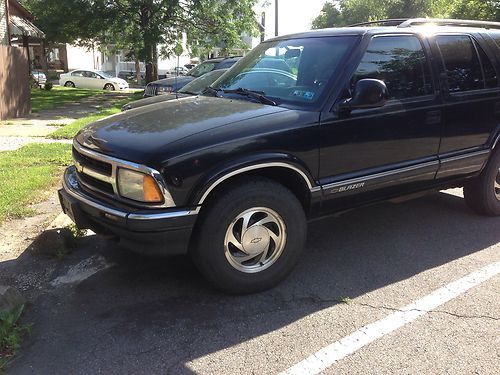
(492, 204)
(210, 256)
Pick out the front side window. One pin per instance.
(400, 62)
(461, 62)
(294, 71)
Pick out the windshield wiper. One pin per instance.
(258, 95)
(212, 90)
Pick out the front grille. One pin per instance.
(95, 184)
(93, 175)
(94, 164)
(150, 90)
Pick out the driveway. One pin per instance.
(102, 309)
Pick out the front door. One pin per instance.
(366, 153)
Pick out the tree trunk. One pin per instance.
(43, 57)
(151, 62)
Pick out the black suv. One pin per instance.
(173, 84)
(344, 117)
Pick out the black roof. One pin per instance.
(397, 26)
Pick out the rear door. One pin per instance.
(472, 103)
(370, 153)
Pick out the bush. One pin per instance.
(48, 86)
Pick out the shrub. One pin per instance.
(48, 86)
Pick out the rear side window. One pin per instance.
(400, 62)
(462, 64)
(490, 74)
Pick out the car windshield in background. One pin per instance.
(105, 74)
(199, 84)
(294, 71)
(201, 69)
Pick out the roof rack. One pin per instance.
(408, 22)
(450, 22)
(387, 22)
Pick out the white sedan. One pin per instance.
(92, 79)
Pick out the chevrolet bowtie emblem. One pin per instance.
(256, 240)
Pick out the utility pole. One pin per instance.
(275, 17)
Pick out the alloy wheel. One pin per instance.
(255, 240)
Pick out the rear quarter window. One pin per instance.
(466, 64)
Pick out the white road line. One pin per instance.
(334, 352)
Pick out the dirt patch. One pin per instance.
(17, 235)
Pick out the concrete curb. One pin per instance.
(10, 298)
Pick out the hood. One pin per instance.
(118, 80)
(178, 81)
(141, 135)
(153, 100)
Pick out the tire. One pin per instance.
(483, 194)
(221, 240)
(109, 87)
(69, 84)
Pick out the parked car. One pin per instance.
(38, 78)
(232, 177)
(92, 79)
(189, 66)
(173, 84)
(195, 87)
(178, 70)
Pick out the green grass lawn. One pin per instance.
(41, 99)
(25, 174)
(70, 130)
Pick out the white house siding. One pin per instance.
(3, 24)
(82, 58)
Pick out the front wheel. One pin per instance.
(250, 237)
(483, 194)
(69, 84)
(109, 87)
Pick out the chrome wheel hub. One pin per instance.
(497, 185)
(255, 240)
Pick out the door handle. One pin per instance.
(433, 117)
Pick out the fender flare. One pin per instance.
(240, 166)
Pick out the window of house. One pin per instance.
(400, 62)
(461, 62)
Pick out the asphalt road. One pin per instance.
(138, 315)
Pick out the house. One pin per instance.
(16, 33)
(68, 57)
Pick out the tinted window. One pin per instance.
(293, 71)
(490, 74)
(400, 62)
(461, 63)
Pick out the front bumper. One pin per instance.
(157, 232)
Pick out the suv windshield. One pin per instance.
(294, 71)
(201, 69)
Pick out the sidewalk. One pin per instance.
(36, 127)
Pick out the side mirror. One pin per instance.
(368, 93)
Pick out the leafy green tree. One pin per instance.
(142, 25)
(345, 12)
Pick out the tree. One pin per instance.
(142, 25)
(345, 12)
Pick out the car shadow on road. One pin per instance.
(150, 315)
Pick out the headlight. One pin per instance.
(164, 89)
(138, 186)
